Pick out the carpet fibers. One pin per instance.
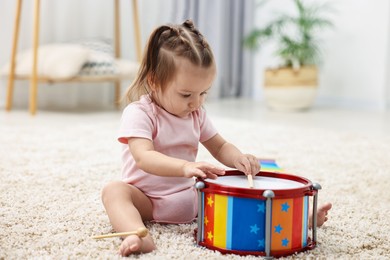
(53, 166)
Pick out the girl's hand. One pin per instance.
(202, 169)
(248, 164)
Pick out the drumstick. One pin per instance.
(141, 232)
(250, 181)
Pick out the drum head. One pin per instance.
(236, 183)
(260, 182)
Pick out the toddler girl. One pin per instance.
(161, 129)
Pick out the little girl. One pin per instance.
(161, 129)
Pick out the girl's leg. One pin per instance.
(127, 208)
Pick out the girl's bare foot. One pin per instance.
(134, 244)
(322, 214)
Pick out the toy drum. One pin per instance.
(270, 219)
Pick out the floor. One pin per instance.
(369, 122)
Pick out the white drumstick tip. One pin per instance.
(250, 181)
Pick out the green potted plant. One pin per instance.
(293, 85)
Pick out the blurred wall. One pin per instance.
(355, 67)
(354, 71)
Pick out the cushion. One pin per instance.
(101, 60)
(93, 57)
(60, 61)
(101, 57)
(98, 63)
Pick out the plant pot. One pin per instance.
(288, 89)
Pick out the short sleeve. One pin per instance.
(135, 122)
(207, 129)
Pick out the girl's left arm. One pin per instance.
(231, 156)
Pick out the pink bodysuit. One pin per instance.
(174, 198)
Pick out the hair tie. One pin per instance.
(189, 24)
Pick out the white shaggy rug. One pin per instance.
(53, 166)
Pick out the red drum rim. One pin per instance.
(305, 190)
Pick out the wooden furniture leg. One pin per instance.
(34, 74)
(118, 91)
(137, 31)
(137, 39)
(11, 78)
(117, 32)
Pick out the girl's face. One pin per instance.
(187, 91)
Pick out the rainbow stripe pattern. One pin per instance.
(269, 165)
(236, 223)
(289, 223)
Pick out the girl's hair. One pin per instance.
(158, 65)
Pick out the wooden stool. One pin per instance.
(34, 73)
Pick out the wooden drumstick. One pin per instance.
(141, 232)
(250, 181)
